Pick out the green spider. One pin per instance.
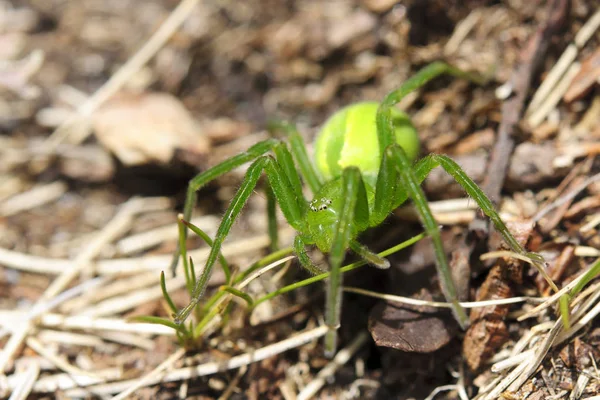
(363, 170)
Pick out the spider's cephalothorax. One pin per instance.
(363, 170)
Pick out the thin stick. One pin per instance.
(440, 304)
(58, 362)
(565, 60)
(109, 324)
(540, 353)
(341, 358)
(152, 375)
(28, 379)
(540, 113)
(120, 266)
(35, 197)
(210, 367)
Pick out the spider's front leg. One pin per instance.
(285, 183)
(428, 163)
(396, 180)
(353, 214)
(200, 180)
(395, 160)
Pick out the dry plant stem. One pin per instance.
(21, 327)
(128, 339)
(538, 266)
(121, 266)
(158, 39)
(538, 116)
(232, 385)
(555, 297)
(28, 379)
(130, 300)
(152, 375)
(203, 369)
(565, 197)
(540, 353)
(565, 60)
(437, 304)
(340, 359)
(512, 361)
(119, 224)
(102, 324)
(461, 32)
(112, 288)
(57, 361)
(445, 388)
(35, 197)
(154, 237)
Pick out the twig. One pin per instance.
(439, 304)
(565, 60)
(28, 379)
(340, 359)
(58, 362)
(32, 198)
(152, 375)
(109, 324)
(566, 197)
(554, 97)
(142, 241)
(114, 228)
(210, 367)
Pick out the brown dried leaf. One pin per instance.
(410, 328)
(147, 128)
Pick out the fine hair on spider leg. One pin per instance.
(364, 167)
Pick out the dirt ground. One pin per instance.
(109, 107)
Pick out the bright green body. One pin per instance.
(349, 139)
(363, 170)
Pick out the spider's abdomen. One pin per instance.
(349, 138)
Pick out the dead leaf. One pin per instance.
(409, 328)
(148, 127)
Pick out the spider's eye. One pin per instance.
(320, 204)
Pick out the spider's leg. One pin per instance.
(454, 170)
(305, 261)
(389, 195)
(353, 213)
(197, 182)
(301, 155)
(372, 258)
(409, 181)
(421, 78)
(285, 160)
(291, 206)
(272, 219)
